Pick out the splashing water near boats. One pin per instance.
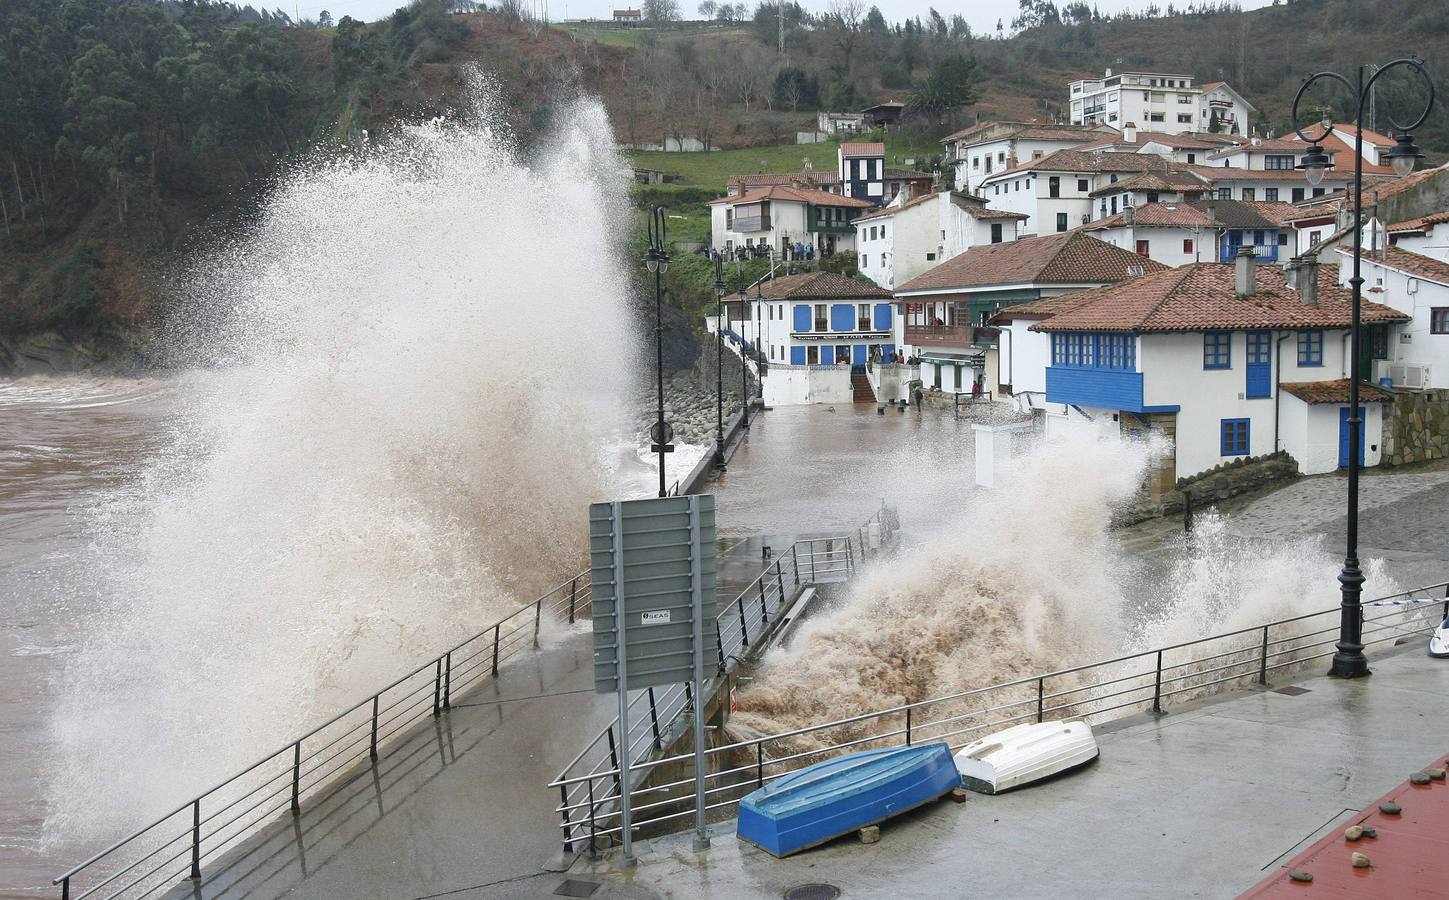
(414, 381)
(1029, 579)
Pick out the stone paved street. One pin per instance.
(1403, 518)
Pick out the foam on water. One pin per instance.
(1028, 579)
(415, 358)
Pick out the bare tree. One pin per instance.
(749, 74)
(661, 10)
(707, 9)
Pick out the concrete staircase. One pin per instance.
(860, 384)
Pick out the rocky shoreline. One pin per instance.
(690, 399)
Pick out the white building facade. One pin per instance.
(1157, 101)
(906, 238)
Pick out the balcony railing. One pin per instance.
(939, 335)
(837, 226)
(752, 223)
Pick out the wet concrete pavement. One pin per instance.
(1201, 802)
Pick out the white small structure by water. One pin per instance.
(995, 445)
(1024, 754)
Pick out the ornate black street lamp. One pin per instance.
(1348, 658)
(719, 323)
(656, 260)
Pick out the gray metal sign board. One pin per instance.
(653, 547)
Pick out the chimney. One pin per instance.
(1129, 133)
(1246, 266)
(1128, 217)
(1306, 280)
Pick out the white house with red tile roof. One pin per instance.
(1427, 235)
(780, 217)
(944, 312)
(977, 152)
(1173, 234)
(905, 238)
(1418, 286)
(1202, 353)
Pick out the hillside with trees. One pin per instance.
(138, 130)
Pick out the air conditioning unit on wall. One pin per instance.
(1413, 376)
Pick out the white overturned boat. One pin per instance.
(1024, 754)
(1439, 641)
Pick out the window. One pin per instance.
(822, 322)
(1001, 156)
(988, 164)
(1017, 182)
(1235, 437)
(1095, 351)
(1114, 206)
(930, 257)
(1379, 340)
(863, 263)
(1314, 238)
(1082, 185)
(1310, 348)
(882, 260)
(1187, 246)
(1250, 193)
(1225, 193)
(1282, 239)
(1319, 192)
(1151, 196)
(1054, 186)
(862, 317)
(1278, 163)
(1217, 350)
(1142, 249)
(1061, 221)
(1297, 194)
(1155, 117)
(975, 162)
(996, 232)
(1270, 194)
(812, 356)
(1184, 118)
(1439, 320)
(1036, 154)
(1191, 158)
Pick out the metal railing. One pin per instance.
(1137, 682)
(178, 844)
(589, 785)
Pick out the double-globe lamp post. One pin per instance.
(656, 260)
(1348, 658)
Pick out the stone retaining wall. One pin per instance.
(1416, 427)
(1218, 483)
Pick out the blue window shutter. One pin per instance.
(882, 317)
(858, 355)
(842, 317)
(888, 350)
(802, 321)
(797, 354)
(827, 356)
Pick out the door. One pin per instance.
(1343, 438)
(1260, 365)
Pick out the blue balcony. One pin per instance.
(1267, 251)
(1102, 388)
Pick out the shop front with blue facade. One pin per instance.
(837, 333)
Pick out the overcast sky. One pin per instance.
(982, 14)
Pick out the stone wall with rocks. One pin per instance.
(1218, 483)
(689, 398)
(1416, 427)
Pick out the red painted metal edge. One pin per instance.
(1408, 859)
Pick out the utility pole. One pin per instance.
(780, 14)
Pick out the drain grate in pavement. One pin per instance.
(813, 892)
(573, 887)
(1291, 690)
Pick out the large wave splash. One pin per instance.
(417, 361)
(1030, 578)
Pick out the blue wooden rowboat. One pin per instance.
(838, 796)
